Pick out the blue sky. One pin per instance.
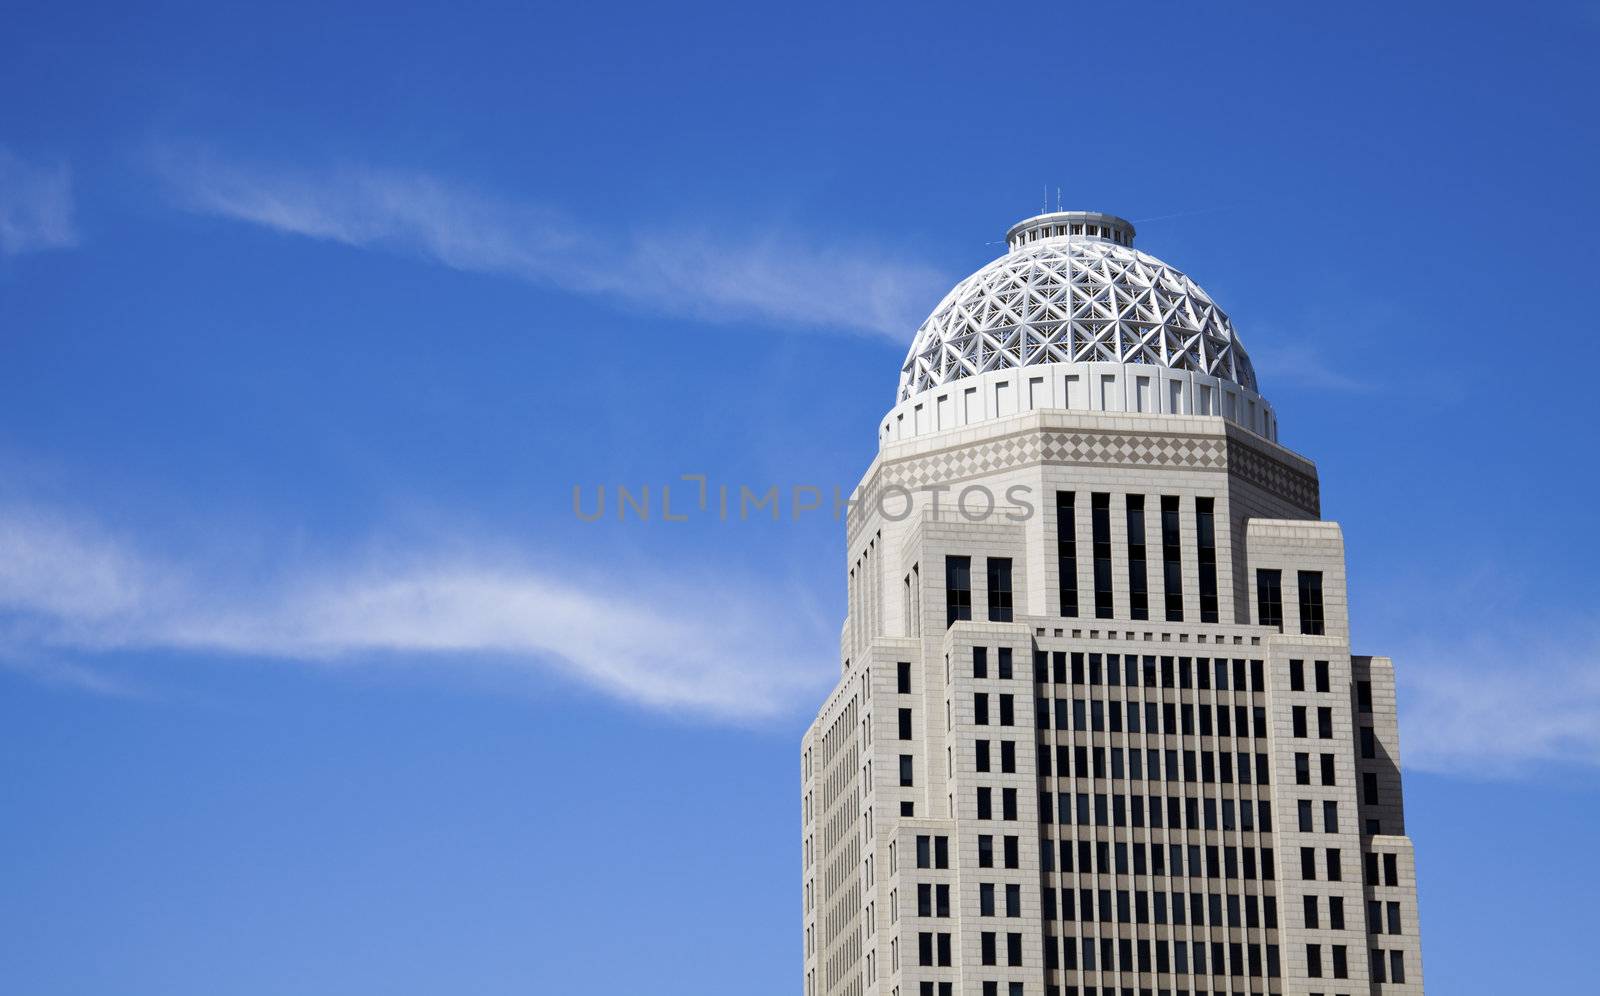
(312, 317)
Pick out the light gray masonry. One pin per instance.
(1198, 801)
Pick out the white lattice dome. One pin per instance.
(1072, 289)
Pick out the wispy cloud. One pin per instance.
(778, 278)
(1540, 701)
(1284, 360)
(69, 588)
(35, 206)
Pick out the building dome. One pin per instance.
(1072, 289)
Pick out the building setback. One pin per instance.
(1098, 729)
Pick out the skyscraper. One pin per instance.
(1098, 728)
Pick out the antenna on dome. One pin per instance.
(1058, 198)
(1046, 199)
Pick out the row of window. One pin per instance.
(980, 709)
(1324, 721)
(1377, 920)
(987, 943)
(1391, 869)
(1269, 600)
(1332, 865)
(1138, 583)
(1091, 762)
(980, 663)
(1170, 718)
(1208, 861)
(1212, 767)
(1330, 816)
(1297, 676)
(1119, 858)
(1313, 921)
(1178, 814)
(1302, 769)
(1008, 803)
(1200, 909)
(958, 588)
(1109, 954)
(1340, 961)
(1131, 671)
(1395, 963)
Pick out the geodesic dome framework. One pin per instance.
(1073, 298)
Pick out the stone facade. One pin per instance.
(1089, 776)
(1098, 727)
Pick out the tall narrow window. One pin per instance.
(1206, 539)
(957, 589)
(1310, 584)
(1100, 517)
(1269, 598)
(1067, 551)
(1138, 591)
(1172, 557)
(999, 589)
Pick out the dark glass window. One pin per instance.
(1067, 551)
(903, 678)
(1100, 519)
(905, 724)
(980, 662)
(957, 589)
(1138, 596)
(1269, 598)
(1005, 663)
(1297, 676)
(1206, 539)
(1310, 585)
(905, 769)
(999, 589)
(1172, 557)
(1323, 684)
